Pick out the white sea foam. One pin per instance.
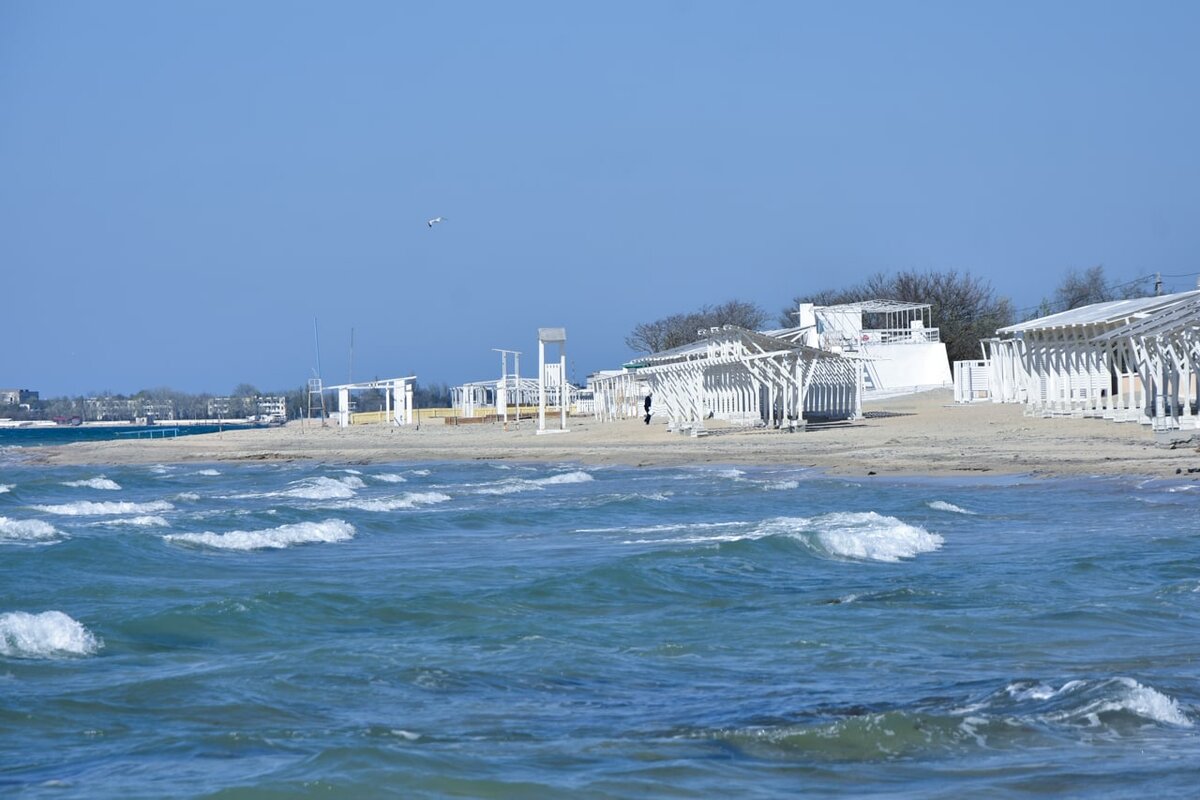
(50, 634)
(564, 477)
(322, 488)
(942, 505)
(208, 472)
(514, 485)
(330, 530)
(190, 497)
(145, 521)
(26, 530)
(418, 472)
(1126, 694)
(778, 486)
(1084, 701)
(390, 477)
(5, 487)
(95, 483)
(85, 508)
(859, 536)
(410, 500)
(408, 736)
(349, 471)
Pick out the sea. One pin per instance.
(485, 629)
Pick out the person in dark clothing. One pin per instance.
(647, 409)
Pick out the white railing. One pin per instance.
(885, 336)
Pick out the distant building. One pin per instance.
(110, 409)
(14, 397)
(265, 408)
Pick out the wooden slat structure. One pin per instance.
(745, 377)
(1126, 360)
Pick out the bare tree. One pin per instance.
(1085, 287)
(679, 329)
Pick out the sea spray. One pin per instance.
(50, 634)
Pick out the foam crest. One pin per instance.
(51, 634)
(145, 521)
(1119, 696)
(1091, 703)
(95, 483)
(323, 488)
(26, 530)
(390, 477)
(566, 477)
(942, 505)
(5, 487)
(410, 500)
(86, 508)
(780, 486)
(330, 530)
(859, 536)
(208, 472)
(515, 485)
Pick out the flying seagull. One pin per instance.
(435, 220)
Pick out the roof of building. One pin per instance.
(1110, 313)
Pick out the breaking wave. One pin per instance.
(1097, 703)
(856, 536)
(514, 485)
(145, 521)
(410, 500)
(208, 472)
(1086, 710)
(864, 536)
(85, 508)
(942, 505)
(5, 487)
(323, 488)
(95, 483)
(27, 530)
(330, 530)
(390, 477)
(50, 634)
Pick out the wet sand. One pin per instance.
(924, 434)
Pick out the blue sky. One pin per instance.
(186, 186)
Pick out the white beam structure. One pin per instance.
(552, 377)
(397, 398)
(750, 378)
(617, 394)
(1126, 361)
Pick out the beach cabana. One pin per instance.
(749, 378)
(1123, 360)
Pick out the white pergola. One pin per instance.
(397, 398)
(750, 378)
(1124, 360)
(617, 394)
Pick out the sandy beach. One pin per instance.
(924, 434)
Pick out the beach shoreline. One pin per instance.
(922, 434)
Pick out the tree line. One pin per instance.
(963, 306)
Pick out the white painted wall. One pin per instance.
(902, 365)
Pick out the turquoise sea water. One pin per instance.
(496, 630)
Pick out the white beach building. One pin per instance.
(894, 341)
(1125, 360)
(740, 376)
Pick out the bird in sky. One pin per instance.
(435, 220)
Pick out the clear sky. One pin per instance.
(186, 186)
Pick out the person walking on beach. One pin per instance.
(647, 409)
